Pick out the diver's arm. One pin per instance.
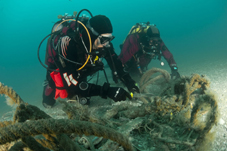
(167, 55)
(169, 58)
(75, 83)
(116, 65)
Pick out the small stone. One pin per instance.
(222, 122)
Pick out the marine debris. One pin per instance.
(167, 115)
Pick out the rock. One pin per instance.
(221, 121)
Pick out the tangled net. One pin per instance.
(167, 115)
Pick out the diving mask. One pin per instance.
(103, 41)
(154, 42)
(152, 45)
(105, 38)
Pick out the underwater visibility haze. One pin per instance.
(194, 31)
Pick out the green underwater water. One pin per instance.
(194, 31)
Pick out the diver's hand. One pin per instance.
(100, 52)
(115, 77)
(118, 94)
(132, 87)
(130, 84)
(175, 74)
(115, 93)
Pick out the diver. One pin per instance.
(74, 53)
(143, 44)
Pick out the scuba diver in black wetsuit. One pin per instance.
(73, 53)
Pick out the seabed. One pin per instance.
(167, 115)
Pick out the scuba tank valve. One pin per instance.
(67, 16)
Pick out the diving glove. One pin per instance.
(175, 74)
(115, 93)
(130, 84)
(133, 87)
(118, 94)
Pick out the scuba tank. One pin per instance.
(58, 26)
(140, 28)
(67, 16)
(137, 28)
(56, 30)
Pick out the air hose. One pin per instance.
(88, 37)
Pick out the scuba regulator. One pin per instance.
(153, 51)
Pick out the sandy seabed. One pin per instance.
(216, 72)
